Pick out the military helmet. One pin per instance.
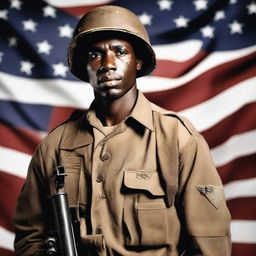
(109, 22)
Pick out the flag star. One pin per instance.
(207, 31)
(44, 47)
(251, 8)
(181, 22)
(200, 4)
(219, 15)
(26, 67)
(59, 69)
(3, 14)
(146, 18)
(1, 56)
(232, 1)
(29, 25)
(66, 31)
(165, 4)
(12, 41)
(16, 4)
(235, 27)
(49, 11)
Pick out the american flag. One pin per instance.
(205, 71)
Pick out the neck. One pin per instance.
(113, 112)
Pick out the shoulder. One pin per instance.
(175, 117)
(54, 136)
(175, 123)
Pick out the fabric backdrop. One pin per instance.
(205, 71)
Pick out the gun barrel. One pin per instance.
(63, 224)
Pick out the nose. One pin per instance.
(108, 62)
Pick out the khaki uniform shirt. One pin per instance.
(144, 187)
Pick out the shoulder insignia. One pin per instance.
(214, 194)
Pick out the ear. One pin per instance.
(139, 65)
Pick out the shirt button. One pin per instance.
(100, 178)
(102, 196)
(98, 230)
(105, 156)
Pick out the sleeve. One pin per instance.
(205, 214)
(32, 211)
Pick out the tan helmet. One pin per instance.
(109, 22)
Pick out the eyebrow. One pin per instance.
(114, 45)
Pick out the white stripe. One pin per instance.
(210, 112)
(152, 84)
(182, 51)
(59, 92)
(7, 239)
(45, 91)
(240, 188)
(236, 146)
(79, 95)
(14, 162)
(243, 231)
(74, 3)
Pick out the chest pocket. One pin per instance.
(145, 212)
(72, 167)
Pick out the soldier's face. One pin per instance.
(112, 67)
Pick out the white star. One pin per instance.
(181, 22)
(200, 4)
(3, 14)
(1, 56)
(26, 66)
(12, 41)
(251, 8)
(165, 4)
(66, 31)
(60, 69)
(235, 27)
(49, 11)
(44, 47)
(207, 31)
(219, 15)
(146, 18)
(16, 4)
(232, 1)
(29, 25)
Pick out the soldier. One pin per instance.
(141, 177)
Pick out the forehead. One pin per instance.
(111, 42)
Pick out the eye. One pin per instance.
(121, 52)
(94, 55)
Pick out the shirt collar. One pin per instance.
(141, 112)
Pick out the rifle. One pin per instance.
(64, 227)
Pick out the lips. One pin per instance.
(108, 79)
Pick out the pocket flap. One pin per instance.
(144, 180)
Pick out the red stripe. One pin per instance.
(4, 252)
(205, 86)
(10, 187)
(172, 69)
(243, 249)
(59, 115)
(19, 139)
(239, 122)
(240, 168)
(248, 211)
